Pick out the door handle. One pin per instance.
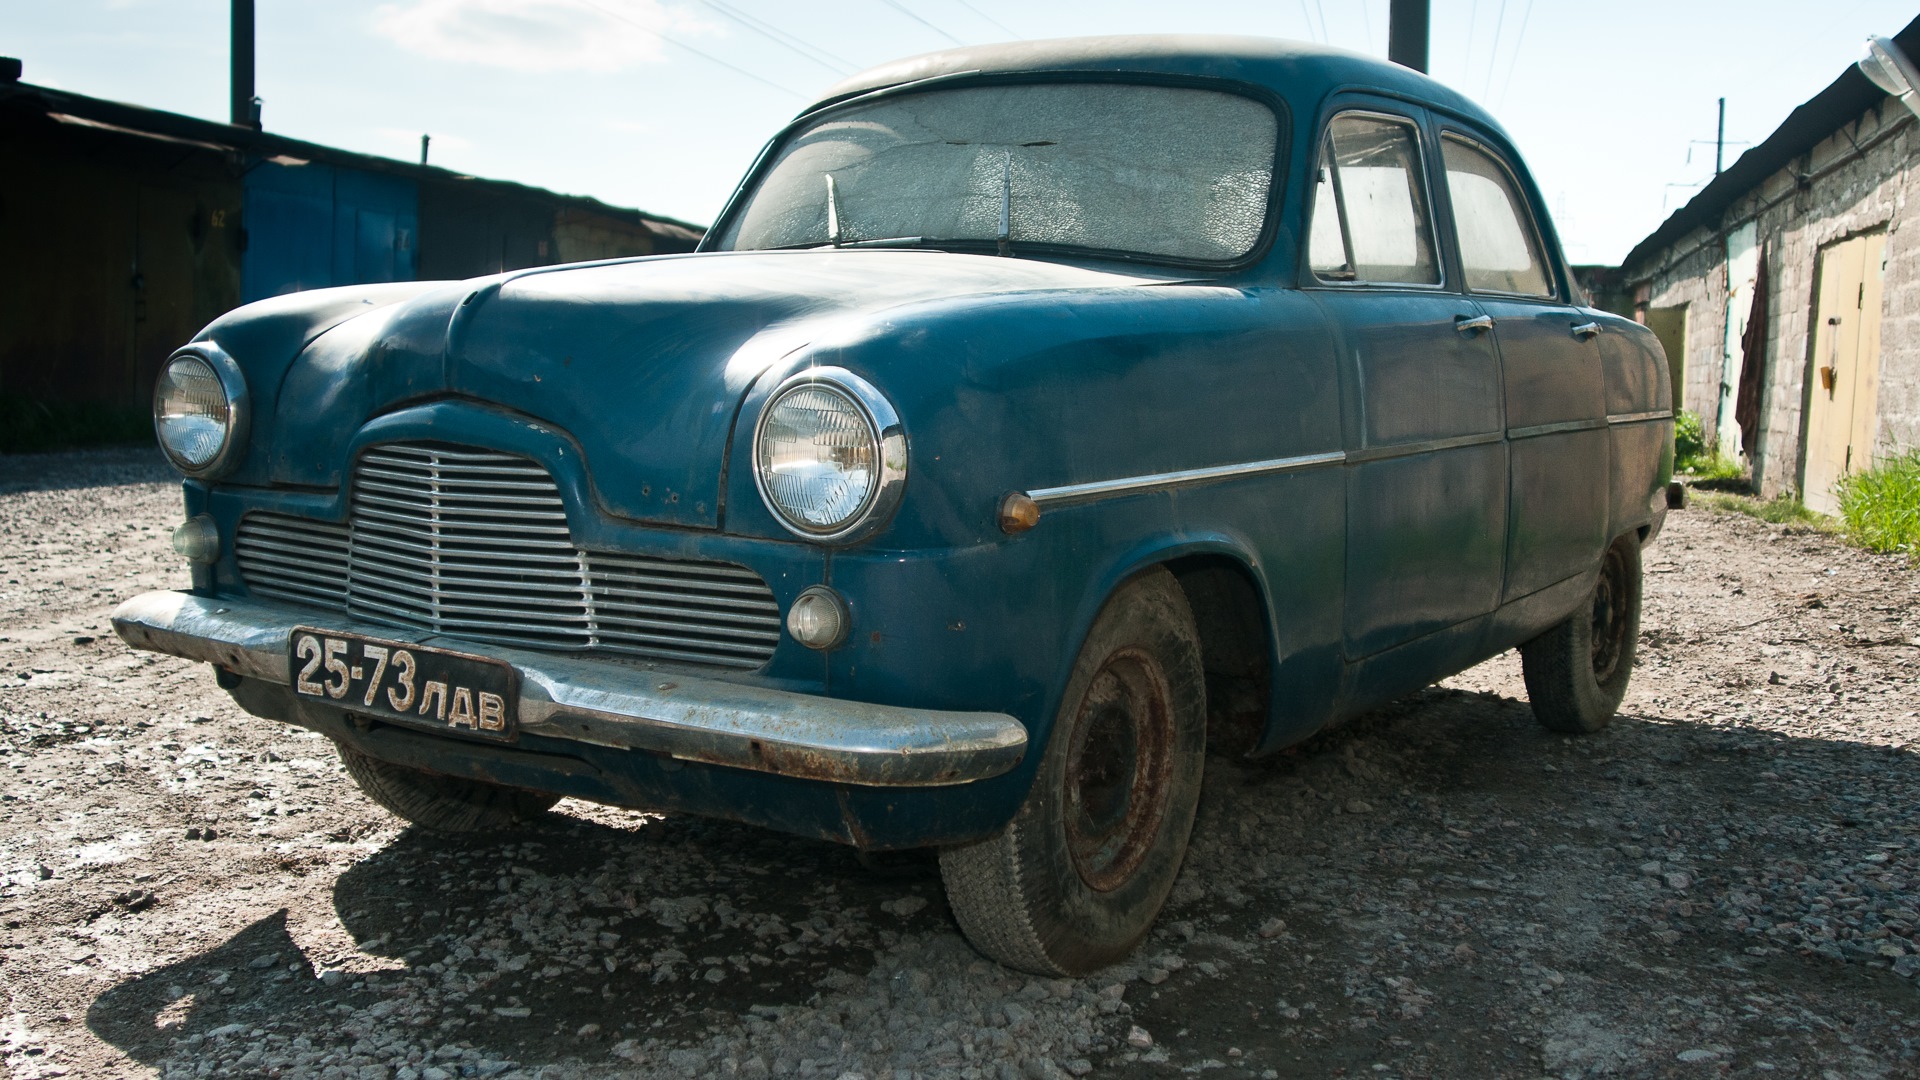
(1587, 330)
(1472, 324)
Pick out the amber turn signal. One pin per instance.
(1018, 513)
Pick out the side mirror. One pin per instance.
(1890, 70)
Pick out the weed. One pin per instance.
(27, 425)
(1691, 455)
(1779, 510)
(1881, 507)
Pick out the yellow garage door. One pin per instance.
(1846, 367)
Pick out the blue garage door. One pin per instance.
(313, 226)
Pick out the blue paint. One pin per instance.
(314, 226)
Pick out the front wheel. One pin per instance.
(443, 803)
(1076, 879)
(1577, 672)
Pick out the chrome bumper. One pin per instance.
(665, 712)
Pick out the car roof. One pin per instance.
(1300, 72)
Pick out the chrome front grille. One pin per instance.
(475, 544)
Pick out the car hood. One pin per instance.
(644, 363)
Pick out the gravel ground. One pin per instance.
(1724, 882)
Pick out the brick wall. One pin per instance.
(1859, 179)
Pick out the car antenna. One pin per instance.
(1006, 206)
(833, 212)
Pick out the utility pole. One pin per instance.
(1407, 24)
(245, 107)
(1720, 140)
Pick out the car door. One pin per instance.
(1550, 361)
(1427, 493)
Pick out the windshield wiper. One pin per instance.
(1006, 208)
(833, 212)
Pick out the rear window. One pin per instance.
(1162, 171)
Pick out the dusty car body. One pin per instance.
(1135, 472)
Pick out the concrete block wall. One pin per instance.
(1860, 179)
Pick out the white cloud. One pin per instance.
(535, 35)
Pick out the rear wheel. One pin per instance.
(1577, 672)
(443, 803)
(1076, 879)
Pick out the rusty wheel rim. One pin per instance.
(1119, 769)
(1609, 616)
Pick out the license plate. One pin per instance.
(411, 684)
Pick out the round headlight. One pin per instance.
(197, 411)
(829, 456)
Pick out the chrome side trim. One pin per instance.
(660, 711)
(1382, 453)
(1132, 485)
(1555, 429)
(1637, 417)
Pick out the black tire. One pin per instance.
(1577, 672)
(444, 803)
(1076, 879)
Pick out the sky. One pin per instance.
(662, 104)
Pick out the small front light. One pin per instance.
(198, 540)
(819, 618)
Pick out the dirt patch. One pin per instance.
(1726, 880)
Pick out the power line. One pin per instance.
(1466, 62)
(785, 40)
(902, 9)
(709, 57)
(1513, 61)
(1010, 30)
(1493, 55)
(1312, 35)
(1366, 19)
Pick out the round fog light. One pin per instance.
(198, 540)
(819, 618)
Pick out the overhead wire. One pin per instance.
(1513, 61)
(791, 42)
(1466, 62)
(709, 57)
(904, 10)
(1003, 26)
(1493, 54)
(1325, 37)
(1366, 19)
(1307, 15)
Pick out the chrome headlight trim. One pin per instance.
(239, 409)
(890, 442)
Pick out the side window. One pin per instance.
(1498, 247)
(1370, 221)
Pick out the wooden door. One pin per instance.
(1841, 408)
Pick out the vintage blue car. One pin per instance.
(1035, 419)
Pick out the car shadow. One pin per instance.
(558, 942)
(1445, 840)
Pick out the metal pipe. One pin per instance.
(1407, 32)
(1720, 140)
(245, 110)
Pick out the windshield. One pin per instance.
(1161, 171)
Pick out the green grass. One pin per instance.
(1692, 457)
(27, 425)
(1779, 510)
(1880, 508)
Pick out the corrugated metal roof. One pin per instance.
(65, 107)
(1831, 109)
